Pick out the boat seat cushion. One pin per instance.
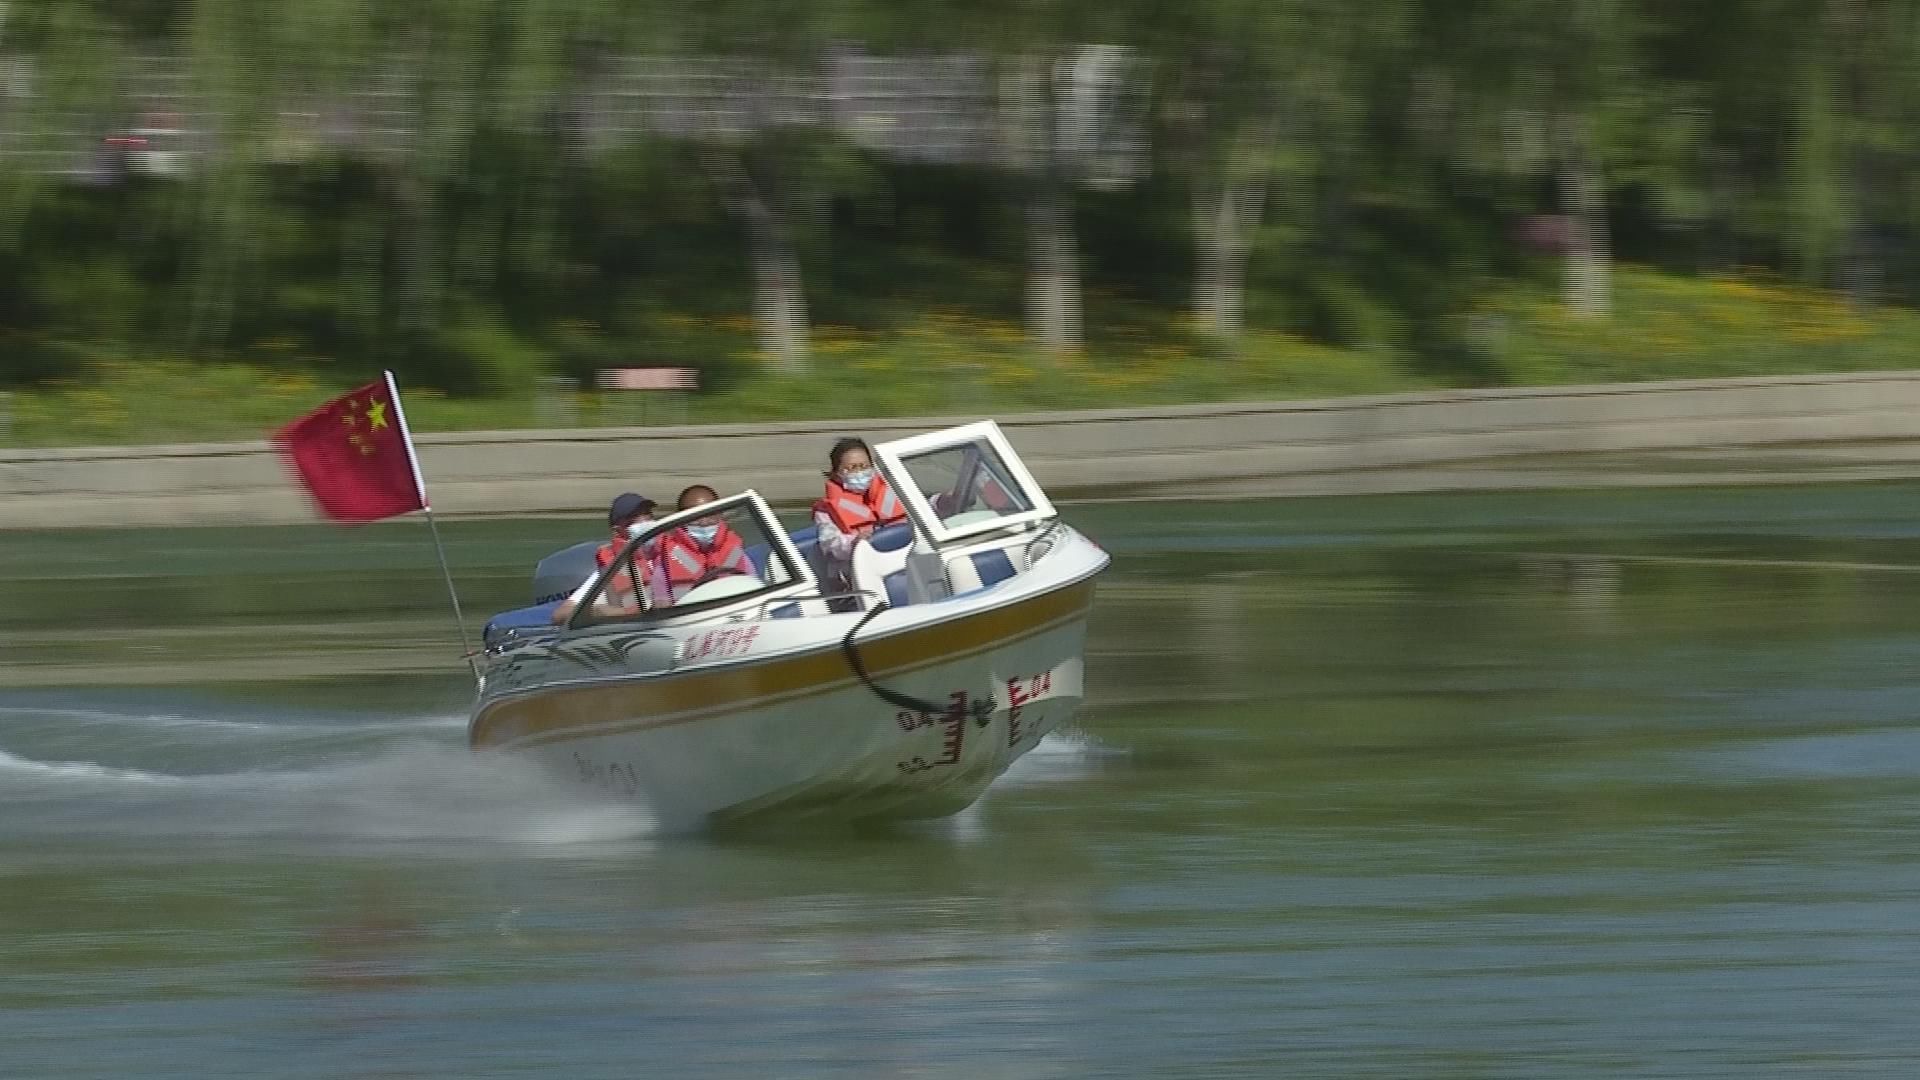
(874, 567)
(979, 570)
(807, 540)
(520, 622)
(896, 583)
(892, 538)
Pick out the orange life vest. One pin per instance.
(877, 506)
(622, 579)
(686, 562)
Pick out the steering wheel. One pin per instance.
(969, 517)
(720, 587)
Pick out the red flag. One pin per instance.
(354, 455)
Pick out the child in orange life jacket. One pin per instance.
(629, 516)
(857, 502)
(701, 551)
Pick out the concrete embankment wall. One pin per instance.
(534, 472)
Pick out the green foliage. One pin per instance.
(478, 352)
(1396, 148)
(1671, 327)
(953, 364)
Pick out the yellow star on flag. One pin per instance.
(377, 413)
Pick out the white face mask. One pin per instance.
(634, 530)
(704, 535)
(857, 480)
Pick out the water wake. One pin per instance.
(412, 793)
(146, 776)
(17, 718)
(77, 770)
(1061, 756)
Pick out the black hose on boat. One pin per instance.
(980, 710)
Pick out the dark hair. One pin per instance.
(690, 490)
(840, 448)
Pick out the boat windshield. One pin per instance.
(963, 482)
(967, 483)
(708, 557)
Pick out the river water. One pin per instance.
(1544, 785)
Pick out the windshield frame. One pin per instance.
(892, 457)
(800, 580)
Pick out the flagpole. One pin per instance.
(420, 485)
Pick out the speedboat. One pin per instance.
(897, 690)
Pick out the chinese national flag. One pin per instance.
(353, 455)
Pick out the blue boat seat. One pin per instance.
(893, 537)
(993, 567)
(879, 564)
(807, 540)
(519, 623)
(896, 585)
(979, 570)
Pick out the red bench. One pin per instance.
(650, 378)
(676, 381)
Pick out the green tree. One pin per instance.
(1257, 94)
(1554, 88)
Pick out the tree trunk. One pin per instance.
(779, 294)
(1219, 264)
(1053, 279)
(416, 257)
(1209, 255)
(1860, 271)
(1851, 26)
(1226, 213)
(1587, 288)
(215, 268)
(409, 169)
(1053, 271)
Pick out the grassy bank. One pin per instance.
(1663, 327)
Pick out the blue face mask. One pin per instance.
(704, 535)
(858, 480)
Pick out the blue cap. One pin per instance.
(627, 506)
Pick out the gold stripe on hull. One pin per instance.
(575, 711)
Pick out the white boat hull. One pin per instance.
(800, 735)
(843, 754)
